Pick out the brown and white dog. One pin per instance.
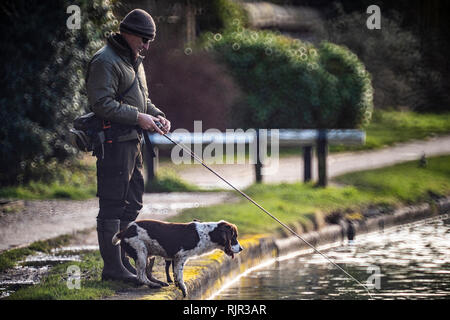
(144, 239)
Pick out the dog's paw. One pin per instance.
(153, 285)
(184, 291)
(162, 283)
(182, 287)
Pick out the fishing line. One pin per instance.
(193, 155)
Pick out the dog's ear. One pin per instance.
(226, 232)
(231, 229)
(223, 235)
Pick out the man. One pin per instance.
(117, 92)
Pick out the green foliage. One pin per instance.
(220, 14)
(73, 181)
(392, 55)
(229, 13)
(291, 84)
(9, 258)
(44, 70)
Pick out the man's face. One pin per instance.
(137, 44)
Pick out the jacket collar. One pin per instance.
(123, 50)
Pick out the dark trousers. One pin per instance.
(120, 182)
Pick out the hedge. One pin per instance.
(292, 84)
(43, 68)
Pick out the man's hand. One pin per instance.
(165, 123)
(147, 122)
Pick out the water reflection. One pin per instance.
(408, 262)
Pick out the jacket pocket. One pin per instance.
(111, 181)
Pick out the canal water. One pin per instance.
(406, 262)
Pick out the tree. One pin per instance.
(43, 70)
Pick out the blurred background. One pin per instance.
(231, 64)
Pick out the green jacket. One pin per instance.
(111, 72)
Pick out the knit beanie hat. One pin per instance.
(139, 23)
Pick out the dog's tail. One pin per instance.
(118, 237)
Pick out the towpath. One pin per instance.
(290, 169)
(40, 220)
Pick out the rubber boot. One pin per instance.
(113, 268)
(125, 260)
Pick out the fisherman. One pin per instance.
(117, 93)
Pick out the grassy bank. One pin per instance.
(54, 286)
(9, 258)
(295, 204)
(75, 181)
(390, 127)
(298, 203)
(57, 285)
(78, 182)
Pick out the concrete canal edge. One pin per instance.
(206, 274)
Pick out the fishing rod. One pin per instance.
(198, 159)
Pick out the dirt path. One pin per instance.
(45, 219)
(290, 169)
(40, 220)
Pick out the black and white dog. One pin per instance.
(144, 239)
